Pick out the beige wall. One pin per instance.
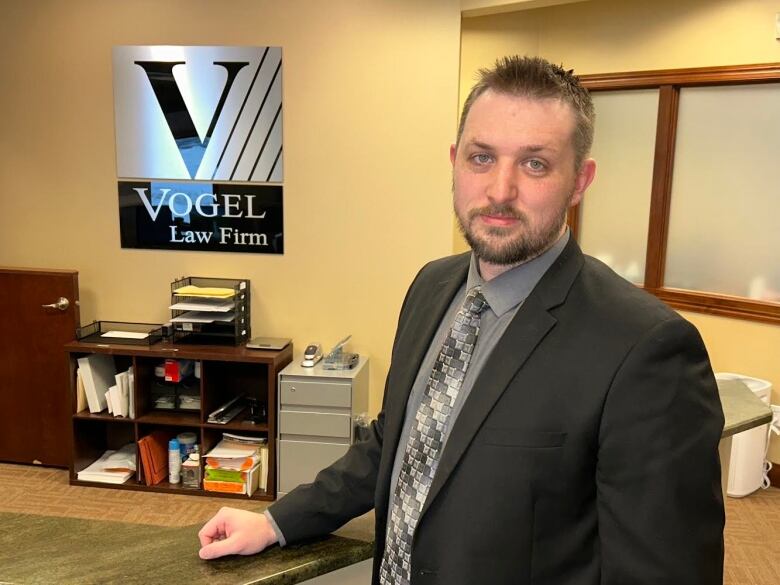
(601, 36)
(604, 36)
(366, 167)
(366, 157)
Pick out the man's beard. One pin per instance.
(502, 250)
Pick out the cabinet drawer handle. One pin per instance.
(292, 388)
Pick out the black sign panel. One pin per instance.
(218, 217)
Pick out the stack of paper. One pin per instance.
(81, 392)
(238, 465)
(204, 304)
(97, 375)
(112, 467)
(204, 317)
(125, 334)
(232, 481)
(233, 455)
(120, 397)
(213, 292)
(131, 391)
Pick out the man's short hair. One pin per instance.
(537, 78)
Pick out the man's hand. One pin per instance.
(235, 532)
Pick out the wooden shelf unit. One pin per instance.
(226, 371)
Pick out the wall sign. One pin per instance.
(199, 147)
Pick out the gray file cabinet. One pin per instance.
(316, 418)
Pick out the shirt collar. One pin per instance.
(508, 290)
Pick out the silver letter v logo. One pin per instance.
(177, 115)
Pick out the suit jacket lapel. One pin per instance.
(420, 322)
(529, 326)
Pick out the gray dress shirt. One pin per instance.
(505, 294)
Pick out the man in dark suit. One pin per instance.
(544, 421)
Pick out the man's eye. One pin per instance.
(481, 158)
(535, 165)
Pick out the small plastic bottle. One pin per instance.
(190, 471)
(174, 461)
(186, 444)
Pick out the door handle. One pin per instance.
(62, 304)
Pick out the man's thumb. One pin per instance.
(218, 548)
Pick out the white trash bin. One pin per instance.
(748, 448)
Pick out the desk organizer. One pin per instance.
(121, 332)
(210, 310)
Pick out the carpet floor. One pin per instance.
(752, 535)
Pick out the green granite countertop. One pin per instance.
(743, 409)
(45, 549)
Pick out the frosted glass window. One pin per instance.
(723, 235)
(616, 209)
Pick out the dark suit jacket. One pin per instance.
(585, 454)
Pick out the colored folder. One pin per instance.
(153, 449)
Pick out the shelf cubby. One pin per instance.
(225, 372)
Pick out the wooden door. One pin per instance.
(34, 371)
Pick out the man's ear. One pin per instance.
(453, 153)
(583, 180)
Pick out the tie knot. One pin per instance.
(475, 303)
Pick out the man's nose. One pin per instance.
(503, 187)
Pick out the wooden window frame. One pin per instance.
(669, 82)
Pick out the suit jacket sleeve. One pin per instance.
(340, 492)
(660, 508)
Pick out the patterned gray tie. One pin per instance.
(423, 449)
